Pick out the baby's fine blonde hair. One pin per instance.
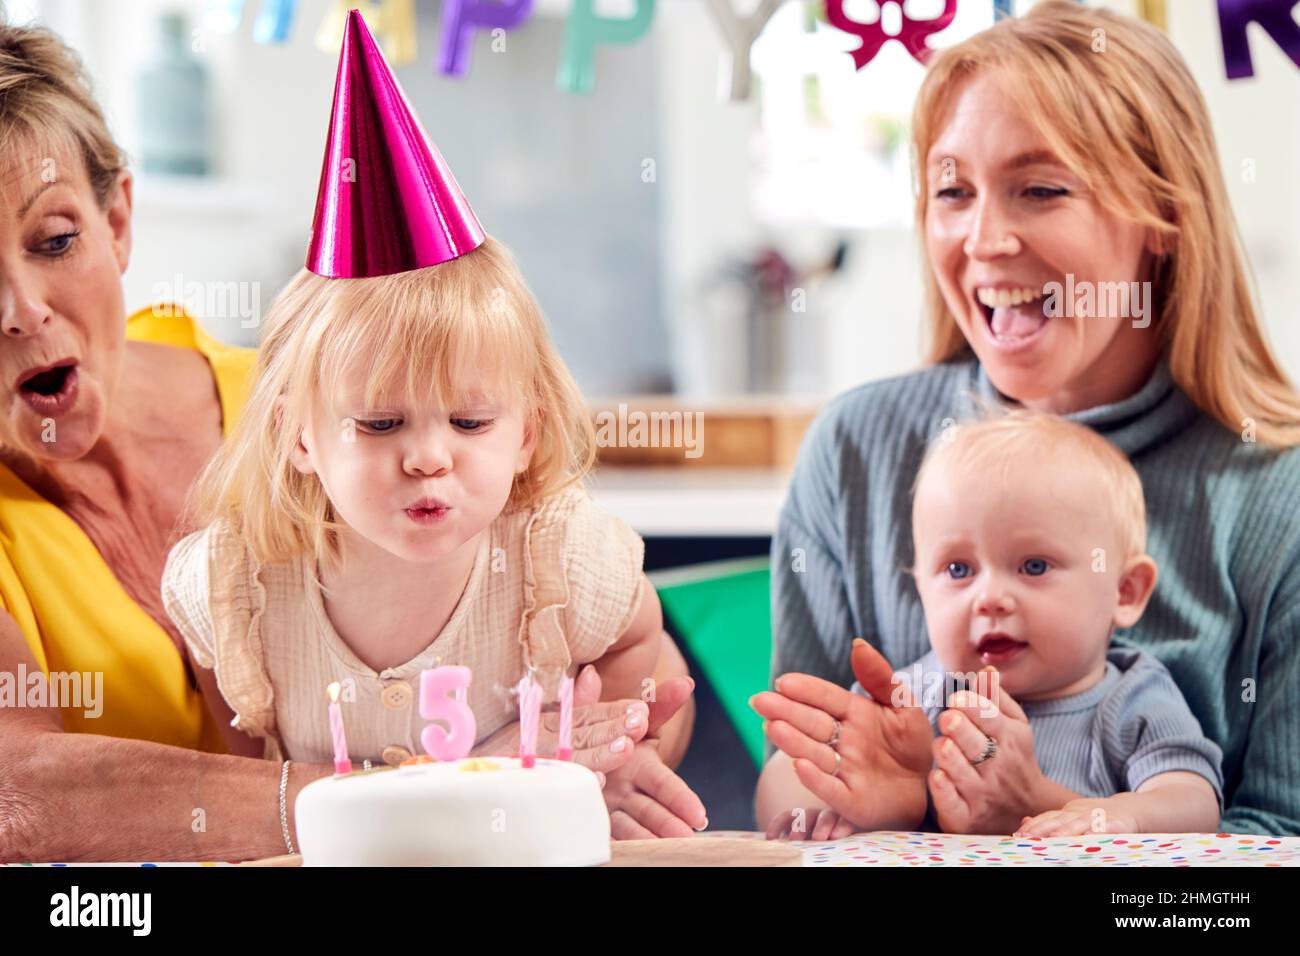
(998, 441)
(420, 335)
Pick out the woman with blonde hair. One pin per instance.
(1083, 260)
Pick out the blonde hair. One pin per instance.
(47, 107)
(1132, 124)
(418, 334)
(1000, 440)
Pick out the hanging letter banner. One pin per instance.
(391, 21)
(740, 34)
(1273, 15)
(273, 23)
(585, 31)
(461, 19)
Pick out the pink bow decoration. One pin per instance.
(912, 34)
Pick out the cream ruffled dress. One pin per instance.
(553, 587)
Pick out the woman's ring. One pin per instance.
(989, 753)
(838, 760)
(835, 734)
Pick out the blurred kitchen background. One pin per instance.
(744, 259)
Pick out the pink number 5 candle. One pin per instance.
(457, 739)
(341, 762)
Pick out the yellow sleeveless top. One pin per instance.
(71, 608)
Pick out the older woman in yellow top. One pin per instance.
(105, 423)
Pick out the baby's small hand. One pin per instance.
(1078, 818)
(647, 800)
(1055, 823)
(794, 825)
(972, 791)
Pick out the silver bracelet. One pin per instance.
(284, 808)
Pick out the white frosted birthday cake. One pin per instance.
(478, 811)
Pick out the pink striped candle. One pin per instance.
(530, 713)
(341, 762)
(565, 749)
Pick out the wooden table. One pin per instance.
(688, 851)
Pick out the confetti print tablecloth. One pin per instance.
(887, 848)
(1142, 849)
(181, 863)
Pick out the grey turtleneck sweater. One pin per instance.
(1224, 526)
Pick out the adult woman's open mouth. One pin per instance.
(1014, 319)
(51, 390)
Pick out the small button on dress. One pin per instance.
(393, 755)
(397, 695)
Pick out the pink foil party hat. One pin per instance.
(387, 202)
